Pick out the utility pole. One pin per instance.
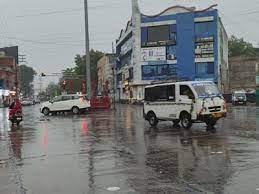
(87, 53)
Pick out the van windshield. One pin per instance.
(240, 95)
(206, 89)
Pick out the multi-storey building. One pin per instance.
(180, 43)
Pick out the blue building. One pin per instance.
(179, 43)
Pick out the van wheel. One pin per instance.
(186, 121)
(46, 111)
(75, 110)
(176, 123)
(152, 119)
(210, 124)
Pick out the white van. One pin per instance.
(185, 102)
(66, 103)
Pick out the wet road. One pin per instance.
(117, 152)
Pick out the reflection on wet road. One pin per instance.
(117, 152)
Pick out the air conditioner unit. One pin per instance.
(171, 57)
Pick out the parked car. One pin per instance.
(27, 102)
(239, 97)
(66, 103)
(185, 103)
(37, 101)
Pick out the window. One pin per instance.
(162, 70)
(160, 93)
(150, 94)
(149, 70)
(186, 91)
(57, 99)
(172, 70)
(158, 72)
(75, 97)
(158, 33)
(66, 98)
(171, 93)
(204, 28)
(204, 68)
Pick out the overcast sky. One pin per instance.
(51, 32)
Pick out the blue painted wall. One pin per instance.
(186, 33)
(185, 46)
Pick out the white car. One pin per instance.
(66, 103)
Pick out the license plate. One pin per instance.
(241, 102)
(217, 115)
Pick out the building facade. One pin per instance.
(106, 78)
(180, 43)
(242, 73)
(8, 78)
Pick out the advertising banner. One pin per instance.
(153, 54)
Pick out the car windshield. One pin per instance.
(206, 89)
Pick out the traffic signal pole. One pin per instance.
(87, 53)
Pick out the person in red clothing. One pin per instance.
(15, 107)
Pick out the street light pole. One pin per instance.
(87, 53)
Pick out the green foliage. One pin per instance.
(80, 64)
(26, 75)
(77, 73)
(239, 47)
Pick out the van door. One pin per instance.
(170, 108)
(185, 99)
(156, 97)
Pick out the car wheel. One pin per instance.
(186, 121)
(46, 111)
(75, 110)
(152, 119)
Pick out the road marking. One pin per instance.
(257, 189)
(113, 188)
(216, 152)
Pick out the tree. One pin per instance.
(53, 90)
(26, 77)
(80, 64)
(239, 47)
(76, 74)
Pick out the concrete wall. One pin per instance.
(242, 73)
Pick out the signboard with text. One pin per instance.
(153, 54)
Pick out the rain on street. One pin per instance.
(117, 152)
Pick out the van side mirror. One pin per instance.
(51, 101)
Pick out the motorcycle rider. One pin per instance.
(15, 107)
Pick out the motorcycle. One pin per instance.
(16, 119)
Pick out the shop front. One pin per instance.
(4, 98)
